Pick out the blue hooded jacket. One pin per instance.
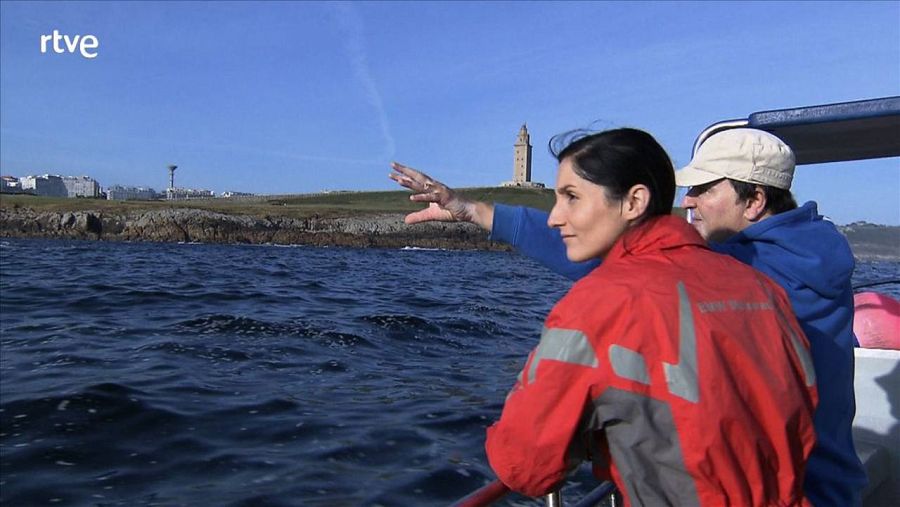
(812, 261)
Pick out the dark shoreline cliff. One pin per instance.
(386, 230)
(202, 226)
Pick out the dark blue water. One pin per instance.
(162, 374)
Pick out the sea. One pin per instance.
(139, 374)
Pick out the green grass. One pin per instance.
(336, 204)
(398, 201)
(329, 205)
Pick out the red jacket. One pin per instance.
(680, 372)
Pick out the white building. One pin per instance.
(120, 193)
(81, 186)
(185, 194)
(47, 185)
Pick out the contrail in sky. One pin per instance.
(352, 26)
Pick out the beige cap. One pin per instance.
(748, 155)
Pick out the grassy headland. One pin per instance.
(333, 204)
(344, 218)
(363, 219)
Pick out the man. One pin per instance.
(740, 201)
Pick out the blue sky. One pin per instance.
(281, 97)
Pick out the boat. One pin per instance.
(846, 131)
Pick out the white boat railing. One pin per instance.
(496, 491)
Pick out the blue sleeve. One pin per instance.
(526, 229)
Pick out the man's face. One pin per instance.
(717, 214)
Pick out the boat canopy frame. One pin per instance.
(857, 130)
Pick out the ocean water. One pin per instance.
(182, 374)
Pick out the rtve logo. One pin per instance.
(80, 42)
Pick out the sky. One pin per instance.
(300, 97)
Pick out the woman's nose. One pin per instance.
(554, 219)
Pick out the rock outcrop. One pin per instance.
(202, 226)
(871, 242)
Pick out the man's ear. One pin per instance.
(755, 206)
(636, 202)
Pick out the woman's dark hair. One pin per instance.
(778, 200)
(619, 159)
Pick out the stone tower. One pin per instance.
(522, 157)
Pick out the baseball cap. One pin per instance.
(748, 155)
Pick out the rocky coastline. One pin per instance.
(363, 230)
(202, 226)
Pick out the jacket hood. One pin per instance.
(800, 246)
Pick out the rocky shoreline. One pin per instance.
(387, 230)
(202, 226)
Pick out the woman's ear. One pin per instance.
(636, 202)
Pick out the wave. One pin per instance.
(422, 249)
(230, 325)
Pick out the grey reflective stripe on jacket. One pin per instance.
(644, 445)
(640, 430)
(573, 347)
(682, 377)
(566, 345)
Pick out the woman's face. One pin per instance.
(588, 221)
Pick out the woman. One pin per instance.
(680, 373)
